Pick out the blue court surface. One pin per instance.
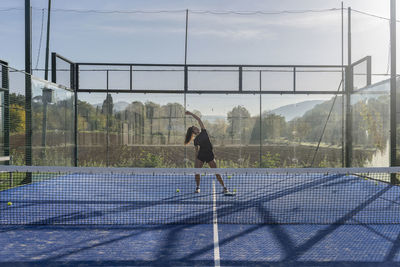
(192, 245)
(151, 220)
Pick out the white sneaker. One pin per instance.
(227, 192)
(197, 190)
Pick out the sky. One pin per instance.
(299, 38)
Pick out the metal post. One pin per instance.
(294, 79)
(130, 78)
(260, 165)
(169, 123)
(240, 79)
(343, 77)
(107, 125)
(54, 67)
(75, 88)
(46, 71)
(142, 125)
(369, 71)
(76, 81)
(185, 79)
(5, 85)
(185, 83)
(393, 95)
(349, 89)
(28, 89)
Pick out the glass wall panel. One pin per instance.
(230, 123)
(17, 116)
(52, 124)
(92, 129)
(293, 131)
(149, 130)
(371, 125)
(131, 130)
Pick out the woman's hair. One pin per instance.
(189, 135)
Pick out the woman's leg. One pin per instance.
(198, 164)
(212, 164)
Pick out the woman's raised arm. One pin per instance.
(196, 118)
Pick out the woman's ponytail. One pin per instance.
(189, 135)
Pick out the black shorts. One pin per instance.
(206, 157)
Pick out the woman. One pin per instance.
(204, 151)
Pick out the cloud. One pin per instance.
(221, 32)
(139, 29)
(229, 26)
(304, 20)
(238, 34)
(221, 26)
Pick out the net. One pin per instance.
(125, 196)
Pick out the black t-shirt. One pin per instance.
(203, 141)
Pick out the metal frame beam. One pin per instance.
(186, 68)
(222, 92)
(201, 65)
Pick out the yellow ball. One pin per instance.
(9, 203)
(229, 177)
(177, 190)
(234, 190)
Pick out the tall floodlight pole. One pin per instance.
(343, 79)
(349, 89)
(393, 93)
(185, 80)
(46, 68)
(28, 87)
(186, 34)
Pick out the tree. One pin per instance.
(174, 116)
(217, 131)
(152, 110)
(370, 123)
(273, 127)
(136, 116)
(17, 119)
(108, 105)
(17, 99)
(239, 124)
(310, 126)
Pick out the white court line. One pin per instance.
(215, 228)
